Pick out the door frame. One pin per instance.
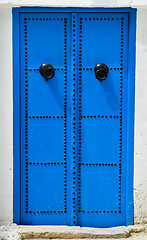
(17, 102)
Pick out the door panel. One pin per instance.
(104, 99)
(45, 127)
(101, 43)
(48, 97)
(100, 140)
(44, 196)
(105, 46)
(101, 193)
(46, 140)
(45, 43)
(99, 177)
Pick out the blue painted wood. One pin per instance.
(74, 117)
(44, 133)
(76, 133)
(104, 117)
(16, 120)
(130, 119)
(73, 9)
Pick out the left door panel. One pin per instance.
(45, 145)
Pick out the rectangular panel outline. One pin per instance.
(44, 210)
(122, 18)
(24, 111)
(16, 101)
(102, 165)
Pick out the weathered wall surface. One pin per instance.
(77, 3)
(6, 117)
(140, 174)
(71, 3)
(6, 101)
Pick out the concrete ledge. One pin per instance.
(16, 232)
(65, 232)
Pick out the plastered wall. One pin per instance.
(76, 3)
(6, 103)
(6, 117)
(140, 174)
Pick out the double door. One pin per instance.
(74, 91)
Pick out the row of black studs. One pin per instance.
(47, 163)
(85, 69)
(83, 211)
(98, 211)
(80, 113)
(65, 112)
(98, 116)
(61, 19)
(58, 117)
(105, 19)
(80, 117)
(47, 19)
(120, 137)
(98, 164)
(64, 163)
(110, 68)
(37, 69)
(26, 115)
(51, 211)
(74, 53)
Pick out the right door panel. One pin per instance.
(102, 119)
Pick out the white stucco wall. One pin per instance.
(77, 3)
(6, 117)
(140, 174)
(6, 102)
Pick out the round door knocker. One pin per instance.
(47, 70)
(101, 70)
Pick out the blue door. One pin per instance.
(74, 96)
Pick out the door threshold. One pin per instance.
(68, 232)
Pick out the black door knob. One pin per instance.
(47, 70)
(101, 71)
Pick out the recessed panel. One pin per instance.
(100, 140)
(45, 35)
(46, 140)
(46, 188)
(99, 188)
(44, 38)
(46, 97)
(100, 98)
(101, 38)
